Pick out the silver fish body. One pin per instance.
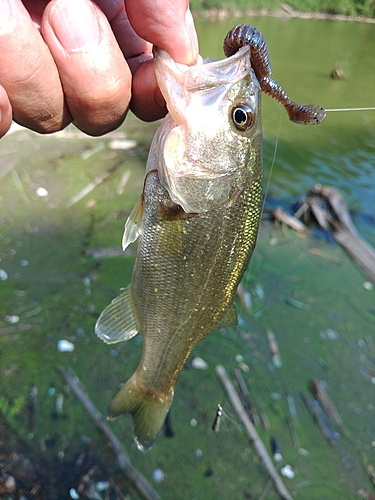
(197, 223)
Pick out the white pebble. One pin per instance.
(122, 144)
(12, 319)
(157, 475)
(193, 422)
(41, 192)
(244, 367)
(239, 358)
(332, 334)
(259, 290)
(73, 494)
(3, 275)
(199, 453)
(303, 452)
(287, 471)
(59, 403)
(368, 286)
(102, 486)
(65, 346)
(24, 263)
(199, 364)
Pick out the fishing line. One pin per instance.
(273, 161)
(349, 109)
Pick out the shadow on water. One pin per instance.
(61, 265)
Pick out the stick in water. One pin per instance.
(250, 429)
(139, 482)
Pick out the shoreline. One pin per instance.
(285, 12)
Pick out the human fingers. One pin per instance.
(28, 73)
(95, 77)
(147, 102)
(168, 24)
(5, 112)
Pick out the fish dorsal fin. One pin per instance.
(133, 226)
(229, 318)
(117, 323)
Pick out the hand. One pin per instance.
(77, 61)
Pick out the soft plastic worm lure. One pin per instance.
(245, 34)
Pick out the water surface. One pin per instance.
(340, 151)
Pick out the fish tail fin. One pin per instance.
(148, 410)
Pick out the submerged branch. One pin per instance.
(139, 482)
(253, 434)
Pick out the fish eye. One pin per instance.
(242, 116)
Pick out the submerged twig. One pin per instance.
(321, 395)
(139, 482)
(91, 185)
(321, 419)
(289, 220)
(251, 431)
(32, 406)
(245, 396)
(344, 231)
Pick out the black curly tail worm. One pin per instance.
(245, 34)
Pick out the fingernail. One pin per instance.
(189, 22)
(75, 24)
(5, 12)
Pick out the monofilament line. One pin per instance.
(350, 109)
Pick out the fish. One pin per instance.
(196, 223)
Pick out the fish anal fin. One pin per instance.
(117, 323)
(133, 225)
(148, 410)
(229, 318)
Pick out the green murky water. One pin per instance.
(61, 264)
(341, 151)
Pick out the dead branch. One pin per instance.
(289, 220)
(245, 396)
(321, 395)
(251, 431)
(139, 482)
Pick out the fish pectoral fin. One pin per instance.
(117, 322)
(229, 318)
(133, 226)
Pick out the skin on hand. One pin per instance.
(87, 62)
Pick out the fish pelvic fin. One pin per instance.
(117, 323)
(148, 410)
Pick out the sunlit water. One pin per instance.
(340, 151)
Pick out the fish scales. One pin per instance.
(204, 292)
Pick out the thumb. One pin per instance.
(167, 24)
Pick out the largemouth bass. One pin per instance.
(196, 223)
